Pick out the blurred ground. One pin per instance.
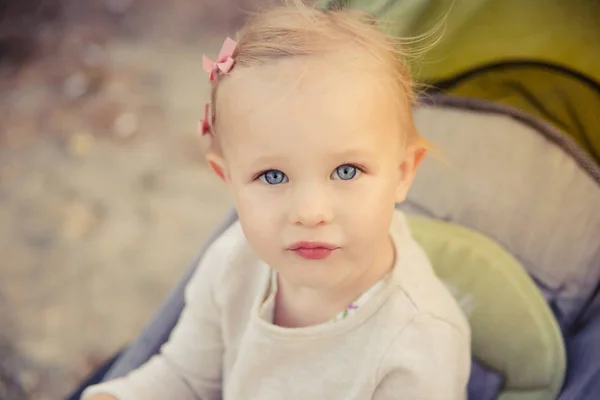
(104, 196)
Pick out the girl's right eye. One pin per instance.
(273, 177)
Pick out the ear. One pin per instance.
(216, 162)
(408, 169)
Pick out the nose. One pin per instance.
(311, 206)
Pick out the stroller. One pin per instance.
(509, 216)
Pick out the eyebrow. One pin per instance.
(347, 154)
(263, 161)
(354, 152)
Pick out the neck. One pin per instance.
(299, 306)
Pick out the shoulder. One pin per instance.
(416, 286)
(430, 344)
(430, 358)
(229, 260)
(416, 280)
(230, 244)
(430, 335)
(428, 299)
(429, 354)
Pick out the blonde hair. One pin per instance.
(296, 30)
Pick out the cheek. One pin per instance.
(259, 232)
(371, 209)
(374, 193)
(256, 200)
(257, 213)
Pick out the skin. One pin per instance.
(289, 137)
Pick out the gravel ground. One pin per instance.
(104, 195)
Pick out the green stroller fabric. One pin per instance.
(541, 56)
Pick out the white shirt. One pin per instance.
(409, 341)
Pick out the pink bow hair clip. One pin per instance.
(204, 124)
(224, 62)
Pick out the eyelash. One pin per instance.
(358, 167)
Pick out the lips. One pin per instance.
(313, 250)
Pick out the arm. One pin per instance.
(429, 360)
(189, 363)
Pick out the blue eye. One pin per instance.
(345, 172)
(273, 177)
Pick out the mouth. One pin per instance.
(313, 250)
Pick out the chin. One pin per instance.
(311, 275)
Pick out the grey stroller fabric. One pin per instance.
(517, 181)
(484, 384)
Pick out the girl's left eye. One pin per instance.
(345, 172)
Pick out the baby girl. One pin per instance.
(319, 291)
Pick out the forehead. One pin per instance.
(327, 101)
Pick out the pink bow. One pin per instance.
(224, 62)
(204, 124)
